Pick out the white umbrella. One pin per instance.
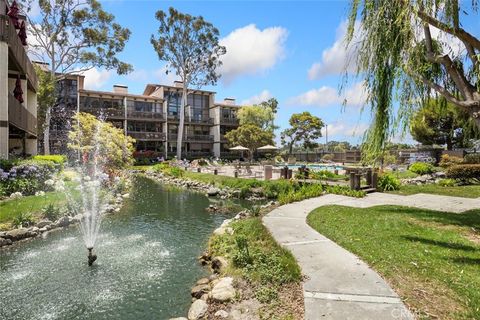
(268, 147)
(239, 148)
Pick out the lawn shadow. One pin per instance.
(446, 245)
(466, 260)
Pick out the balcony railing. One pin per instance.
(144, 115)
(192, 137)
(9, 34)
(208, 121)
(230, 121)
(152, 136)
(20, 117)
(105, 113)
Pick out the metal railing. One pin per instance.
(192, 137)
(208, 121)
(232, 121)
(20, 117)
(131, 114)
(9, 34)
(102, 112)
(154, 136)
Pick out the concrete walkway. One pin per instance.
(339, 285)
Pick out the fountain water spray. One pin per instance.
(94, 185)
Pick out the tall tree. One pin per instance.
(440, 122)
(256, 115)
(399, 57)
(74, 36)
(250, 136)
(305, 128)
(190, 47)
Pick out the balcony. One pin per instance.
(143, 115)
(104, 113)
(229, 121)
(192, 138)
(20, 117)
(147, 136)
(208, 121)
(17, 51)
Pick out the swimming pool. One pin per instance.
(317, 167)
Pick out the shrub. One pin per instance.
(421, 168)
(266, 294)
(328, 157)
(345, 191)
(57, 159)
(472, 158)
(388, 182)
(464, 172)
(447, 182)
(447, 161)
(27, 177)
(389, 159)
(51, 212)
(6, 165)
(24, 219)
(322, 174)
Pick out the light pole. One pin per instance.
(326, 137)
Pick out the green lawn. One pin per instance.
(431, 258)
(470, 191)
(9, 209)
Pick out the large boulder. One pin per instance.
(43, 223)
(62, 222)
(18, 234)
(212, 192)
(197, 310)
(5, 242)
(199, 290)
(219, 264)
(223, 290)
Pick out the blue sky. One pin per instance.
(290, 50)
(271, 46)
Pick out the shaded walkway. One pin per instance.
(339, 285)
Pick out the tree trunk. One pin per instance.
(290, 149)
(182, 122)
(46, 131)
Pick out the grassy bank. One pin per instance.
(469, 191)
(431, 258)
(270, 270)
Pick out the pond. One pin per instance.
(146, 262)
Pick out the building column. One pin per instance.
(4, 136)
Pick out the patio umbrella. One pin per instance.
(22, 33)
(239, 148)
(13, 14)
(18, 92)
(268, 147)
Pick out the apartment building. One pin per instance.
(18, 87)
(152, 118)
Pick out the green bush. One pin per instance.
(58, 159)
(345, 191)
(322, 174)
(472, 158)
(388, 182)
(51, 212)
(24, 219)
(464, 172)
(6, 165)
(266, 294)
(328, 157)
(447, 183)
(447, 161)
(421, 168)
(168, 170)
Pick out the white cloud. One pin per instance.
(344, 129)
(252, 51)
(337, 58)
(162, 77)
(325, 96)
(95, 78)
(256, 99)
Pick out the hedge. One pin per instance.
(472, 158)
(464, 172)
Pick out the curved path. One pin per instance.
(339, 285)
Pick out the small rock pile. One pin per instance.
(425, 179)
(43, 227)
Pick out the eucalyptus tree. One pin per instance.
(73, 36)
(412, 51)
(190, 46)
